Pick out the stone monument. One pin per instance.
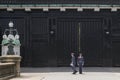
(11, 48)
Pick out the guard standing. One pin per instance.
(73, 63)
(80, 62)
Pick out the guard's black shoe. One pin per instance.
(74, 72)
(80, 73)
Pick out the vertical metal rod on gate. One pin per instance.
(79, 37)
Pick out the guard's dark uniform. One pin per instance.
(73, 64)
(80, 64)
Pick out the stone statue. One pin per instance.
(11, 44)
(10, 48)
(17, 45)
(4, 44)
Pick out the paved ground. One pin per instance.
(64, 73)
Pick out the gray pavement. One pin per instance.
(65, 73)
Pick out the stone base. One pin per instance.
(12, 58)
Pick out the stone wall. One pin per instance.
(7, 70)
(9, 66)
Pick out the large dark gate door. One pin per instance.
(39, 39)
(115, 41)
(43, 50)
(67, 41)
(90, 40)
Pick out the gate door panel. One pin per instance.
(92, 41)
(66, 40)
(39, 40)
(115, 39)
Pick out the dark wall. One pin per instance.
(48, 38)
(62, 1)
(0, 36)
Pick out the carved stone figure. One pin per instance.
(4, 44)
(11, 44)
(17, 45)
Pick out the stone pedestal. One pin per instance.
(12, 58)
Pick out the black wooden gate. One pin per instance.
(40, 41)
(91, 40)
(67, 40)
(115, 41)
(48, 39)
(43, 42)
